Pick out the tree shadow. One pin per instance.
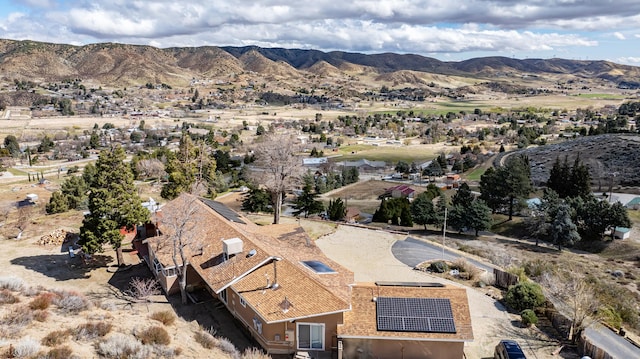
(62, 267)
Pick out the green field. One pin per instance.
(476, 174)
(602, 96)
(389, 154)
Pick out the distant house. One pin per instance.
(364, 165)
(452, 181)
(352, 215)
(314, 161)
(634, 203)
(400, 191)
(291, 298)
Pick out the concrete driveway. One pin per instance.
(369, 254)
(412, 251)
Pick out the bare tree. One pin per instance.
(574, 297)
(24, 217)
(180, 234)
(277, 167)
(151, 168)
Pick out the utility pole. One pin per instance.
(444, 231)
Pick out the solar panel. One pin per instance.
(318, 267)
(426, 315)
(222, 210)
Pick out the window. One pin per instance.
(310, 336)
(318, 267)
(169, 272)
(242, 302)
(157, 267)
(223, 296)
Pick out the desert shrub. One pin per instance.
(7, 297)
(163, 351)
(40, 315)
(121, 346)
(14, 284)
(519, 272)
(59, 353)
(254, 353)
(31, 291)
(610, 317)
(524, 295)
(528, 317)
(143, 288)
(464, 266)
(536, 268)
(56, 337)
(25, 348)
(227, 346)
(165, 317)
(71, 302)
(108, 306)
(154, 335)
(20, 317)
(439, 267)
(487, 278)
(204, 338)
(42, 301)
(91, 330)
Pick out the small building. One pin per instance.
(400, 191)
(621, 233)
(452, 181)
(314, 161)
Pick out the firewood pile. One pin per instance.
(56, 237)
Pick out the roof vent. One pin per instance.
(251, 253)
(232, 246)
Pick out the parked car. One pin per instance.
(508, 349)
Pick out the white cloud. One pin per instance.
(619, 36)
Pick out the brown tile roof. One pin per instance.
(361, 320)
(306, 297)
(310, 293)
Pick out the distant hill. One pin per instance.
(119, 64)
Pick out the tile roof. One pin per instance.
(361, 322)
(310, 293)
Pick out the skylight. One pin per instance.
(318, 267)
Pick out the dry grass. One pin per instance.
(154, 335)
(42, 301)
(88, 331)
(56, 337)
(205, 338)
(165, 317)
(7, 297)
(254, 353)
(58, 353)
(121, 346)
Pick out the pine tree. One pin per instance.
(306, 203)
(422, 210)
(463, 196)
(563, 231)
(113, 205)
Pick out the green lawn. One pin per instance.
(602, 96)
(475, 175)
(388, 154)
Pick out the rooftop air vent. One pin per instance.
(232, 246)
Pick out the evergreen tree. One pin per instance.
(478, 216)
(491, 189)
(579, 179)
(12, 145)
(381, 215)
(563, 230)
(307, 203)
(57, 203)
(422, 210)
(113, 205)
(257, 200)
(463, 196)
(336, 209)
(559, 177)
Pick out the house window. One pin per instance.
(157, 267)
(242, 302)
(223, 296)
(310, 336)
(169, 272)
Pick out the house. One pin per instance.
(452, 181)
(292, 298)
(399, 191)
(352, 214)
(634, 203)
(314, 161)
(272, 279)
(406, 320)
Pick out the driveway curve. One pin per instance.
(412, 251)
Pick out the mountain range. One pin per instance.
(123, 64)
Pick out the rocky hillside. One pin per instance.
(111, 63)
(611, 157)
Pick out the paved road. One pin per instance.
(613, 344)
(413, 251)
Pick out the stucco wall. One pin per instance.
(400, 349)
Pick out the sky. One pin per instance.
(448, 30)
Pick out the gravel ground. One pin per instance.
(490, 321)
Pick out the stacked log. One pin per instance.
(56, 237)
